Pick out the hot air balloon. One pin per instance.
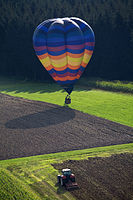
(64, 46)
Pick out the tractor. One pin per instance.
(67, 179)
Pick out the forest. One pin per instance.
(111, 21)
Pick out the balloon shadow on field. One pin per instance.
(42, 119)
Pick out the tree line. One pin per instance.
(112, 22)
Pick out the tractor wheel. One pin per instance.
(58, 178)
(61, 182)
(73, 179)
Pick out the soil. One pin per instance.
(30, 128)
(104, 178)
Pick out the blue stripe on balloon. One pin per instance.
(69, 26)
(66, 70)
(77, 42)
(75, 51)
(57, 53)
(89, 48)
(44, 28)
(55, 44)
(40, 39)
(55, 31)
(75, 39)
(91, 39)
(56, 28)
(73, 30)
(41, 52)
(81, 25)
(38, 44)
(57, 39)
(55, 34)
(66, 82)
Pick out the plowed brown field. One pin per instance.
(30, 128)
(104, 178)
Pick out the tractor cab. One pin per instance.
(66, 172)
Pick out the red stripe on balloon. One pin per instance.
(41, 48)
(75, 46)
(66, 74)
(60, 48)
(90, 43)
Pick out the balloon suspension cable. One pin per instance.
(68, 99)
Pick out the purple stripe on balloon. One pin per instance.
(89, 43)
(40, 48)
(75, 46)
(66, 74)
(60, 48)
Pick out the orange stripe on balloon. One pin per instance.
(83, 64)
(49, 67)
(58, 57)
(75, 55)
(74, 67)
(89, 52)
(42, 56)
(66, 78)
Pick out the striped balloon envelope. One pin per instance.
(64, 46)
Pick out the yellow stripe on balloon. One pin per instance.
(59, 63)
(86, 58)
(45, 61)
(74, 61)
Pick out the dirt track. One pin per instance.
(30, 128)
(102, 178)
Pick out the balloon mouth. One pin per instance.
(68, 88)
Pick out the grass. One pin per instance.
(115, 86)
(35, 177)
(106, 104)
(13, 188)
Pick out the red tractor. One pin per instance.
(67, 179)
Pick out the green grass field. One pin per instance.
(106, 104)
(115, 86)
(36, 178)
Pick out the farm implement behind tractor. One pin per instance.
(67, 179)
